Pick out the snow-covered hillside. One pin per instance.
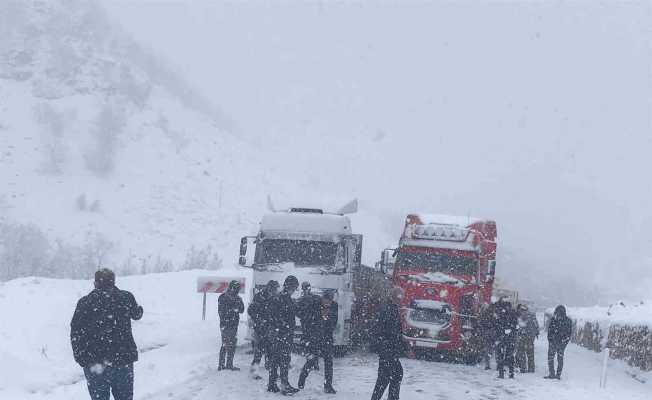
(103, 148)
(178, 354)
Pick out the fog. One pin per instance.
(535, 114)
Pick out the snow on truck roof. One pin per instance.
(309, 222)
(447, 219)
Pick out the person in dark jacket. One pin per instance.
(306, 304)
(528, 331)
(260, 314)
(487, 332)
(559, 334)
(390, 346)
(319, 339)
(281, 337)
(102, 341)
(507, 323)
(229, 308)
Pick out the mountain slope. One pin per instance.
(106, 150)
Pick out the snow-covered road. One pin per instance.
(179, 355)
(423, 380)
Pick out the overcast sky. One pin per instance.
(536, 114)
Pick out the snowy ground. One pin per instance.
(178, 355)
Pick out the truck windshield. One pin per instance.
(435, 262)
(300, 252)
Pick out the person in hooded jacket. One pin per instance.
(487, 332)
(282, 337)
(229, 307)
(306, 306)
(528, 331)
(390, 346)
(102, 341)
(260, 314)
(507, 323)
(319, 339)
(560, 329)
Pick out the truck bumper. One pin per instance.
(429, 343)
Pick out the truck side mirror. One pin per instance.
(244, 246)
(491, 272)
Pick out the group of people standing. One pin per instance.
(273, 313)
(510, 334)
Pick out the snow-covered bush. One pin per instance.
(204, 258)
(24, 251)
(625, 329)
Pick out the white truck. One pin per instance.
(318, 247)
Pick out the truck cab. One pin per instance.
(312, 245)
(445, 266)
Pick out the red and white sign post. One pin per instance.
(215, 284)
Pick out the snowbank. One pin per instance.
(35, 349)
(619, 313)
(625, 329)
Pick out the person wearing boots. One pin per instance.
(507, 332)
(559, 334)
(390, 346)
(306, 306)
(229, 308)
(487, 331)
(260, 313)
(319, 339)
(528, 331)
(282, 337)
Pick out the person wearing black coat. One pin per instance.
(260, 314)
(560, 329)
(487, 332)
(507, 323)
(390, 346)
(282, 337)
(102, 341)
(306, 305)
(320, 323)
(229, 308)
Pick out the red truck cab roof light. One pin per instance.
(438, 232)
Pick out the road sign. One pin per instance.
(215, 284)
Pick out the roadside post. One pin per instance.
(603, 374)
(605, 360)
(215, 284)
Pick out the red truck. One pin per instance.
(446, 267)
